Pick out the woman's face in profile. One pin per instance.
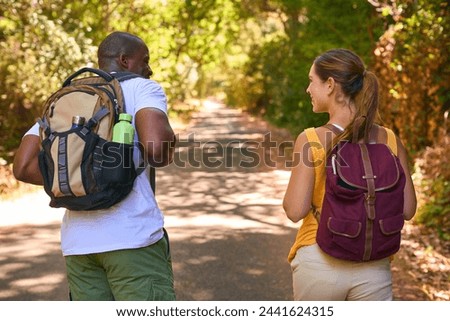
(317, 90)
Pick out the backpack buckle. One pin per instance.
(370, 199)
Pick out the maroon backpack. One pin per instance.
(362, 210)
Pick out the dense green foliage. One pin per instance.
(256, 53)
(290, 34)
(44, 41)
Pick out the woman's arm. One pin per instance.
(410, 201)
(298, 197)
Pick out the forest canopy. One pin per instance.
(257, 53)
(254, 53)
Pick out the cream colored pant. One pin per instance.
(320, 277)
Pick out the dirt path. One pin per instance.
(229, 235)
(222, 202)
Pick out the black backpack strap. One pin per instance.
(97, 72)
(153, 179)
(124, 75)
(97, 117)
(43, 123)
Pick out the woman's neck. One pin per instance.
(341, 116)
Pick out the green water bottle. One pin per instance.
(123, 131)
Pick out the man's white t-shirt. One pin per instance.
(136, 221)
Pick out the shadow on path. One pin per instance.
(222, 202)
(228, 234)
(31, 265)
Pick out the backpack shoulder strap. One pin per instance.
(391, 140)
(334, 129)
(124, 75)
(121, 76)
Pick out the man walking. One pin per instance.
(119, 253)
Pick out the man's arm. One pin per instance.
(26, 163)
(156, 137)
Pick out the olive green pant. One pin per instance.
(125, 275)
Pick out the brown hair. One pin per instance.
(347, 69)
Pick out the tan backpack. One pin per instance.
(82, 168)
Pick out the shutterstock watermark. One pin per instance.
(234, 153)
(190, 152)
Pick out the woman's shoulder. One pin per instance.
(309, 134)
(306, 139)
(325, 134)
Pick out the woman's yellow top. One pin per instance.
(306, 234)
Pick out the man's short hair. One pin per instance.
(116, 44)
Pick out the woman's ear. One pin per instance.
(330, 85)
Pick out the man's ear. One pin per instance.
(123, 61)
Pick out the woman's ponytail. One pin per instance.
(366, 103)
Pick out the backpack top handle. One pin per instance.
(98, 72)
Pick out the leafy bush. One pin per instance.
(412, 59)
(432, 181)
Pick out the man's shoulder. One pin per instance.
(141, 93)
(140, 83)
(140, 80)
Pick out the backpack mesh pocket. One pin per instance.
(90, 172)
